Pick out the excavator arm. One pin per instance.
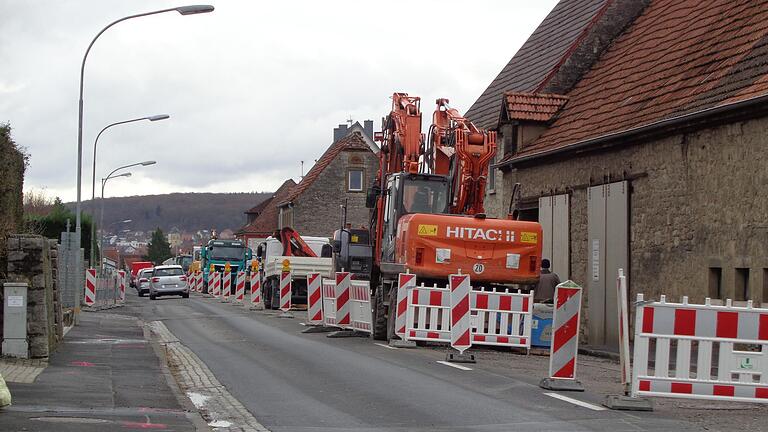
(292, 243)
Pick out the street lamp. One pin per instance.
(183, 10)
(103, 184)
(93, 177)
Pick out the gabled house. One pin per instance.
(339, 177)
(640, 141)
(262, 219)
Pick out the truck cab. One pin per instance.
(218, 253)
(352, 252)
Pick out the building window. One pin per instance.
(742, 284)
(715, 282)
(765, 286)
(355, 180)
(491, 180)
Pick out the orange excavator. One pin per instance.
(427, 213)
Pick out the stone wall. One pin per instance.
(316, 211)
(697, 200)
(29, 261)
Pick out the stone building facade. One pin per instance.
(340, 177)
(655, 160)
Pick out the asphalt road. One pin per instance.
(307, 382)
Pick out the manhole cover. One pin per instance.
(84, 420)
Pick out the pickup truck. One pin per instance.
(270, 253)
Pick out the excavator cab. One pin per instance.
(408, 193)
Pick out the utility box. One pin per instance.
(15, 320)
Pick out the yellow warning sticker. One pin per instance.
(428, 230)
(529, 237)
(355, 239)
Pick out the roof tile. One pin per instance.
(539, 107)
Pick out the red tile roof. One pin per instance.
(679, 57)
(266, 222)
(353, 141)
(538, 58)
(540, 107)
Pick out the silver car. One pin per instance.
(168, 280)
(142, 281)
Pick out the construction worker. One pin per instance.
(545, 290)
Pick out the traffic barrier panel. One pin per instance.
(255, 291)
(226, 286)
(460, 312)
(240, 288)
(90, 287)
(428, 317)
(328, 288)
(343, 280)
(360, 306)
(285, 291)
(732, 374)
(314, 299)
(565, 339)
(199, 281)
(121, 276)
(502, 318)
(216, 279)
(405, 282)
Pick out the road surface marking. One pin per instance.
(385, 346)
(453, 365)
(576, 402)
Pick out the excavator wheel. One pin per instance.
(392, 317)
(379, 314)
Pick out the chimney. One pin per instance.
(368, 128)
(339, 132)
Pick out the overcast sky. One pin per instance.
(252, 88)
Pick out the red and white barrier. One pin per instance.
(731, 375)
(216, 281)
(460, 326)
(121, 276)
(285, 291)
(502, 318)
(240, 288)
(343, 280)
(226, 286)
(90, 287)
(405, 282)
(565, 339)
(314, 299)
(428, 317)
(328, 291)
(360, 306)
(199, 281)
(256, 291)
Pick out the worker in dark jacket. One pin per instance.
(545, 290)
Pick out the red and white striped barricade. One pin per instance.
(226, 286)
(216, 279)
(461, 337)
(730, 375)
(343, 282)
(285, 291)
(565, 339)
(89, 299)
(199, 281)
(428, 317)
(239, 288)
(121, 276)
(328, 292)
(405, 282)
(256, 291)
(502, 318)
(360, 306)
(314, 299)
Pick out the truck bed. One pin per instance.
(300, 266)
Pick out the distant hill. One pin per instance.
(187, 211)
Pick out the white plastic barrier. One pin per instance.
(501, 318)
(729, 374)
(329, 302)
(314, 299)
(428, 317)
(360, 306)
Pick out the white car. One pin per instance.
(142, 281)
(168, 280)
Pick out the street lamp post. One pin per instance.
(183, 10)
(103, 184)
(93, 177)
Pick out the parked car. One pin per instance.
(142, 281)
(168, 280)
(136, 267)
